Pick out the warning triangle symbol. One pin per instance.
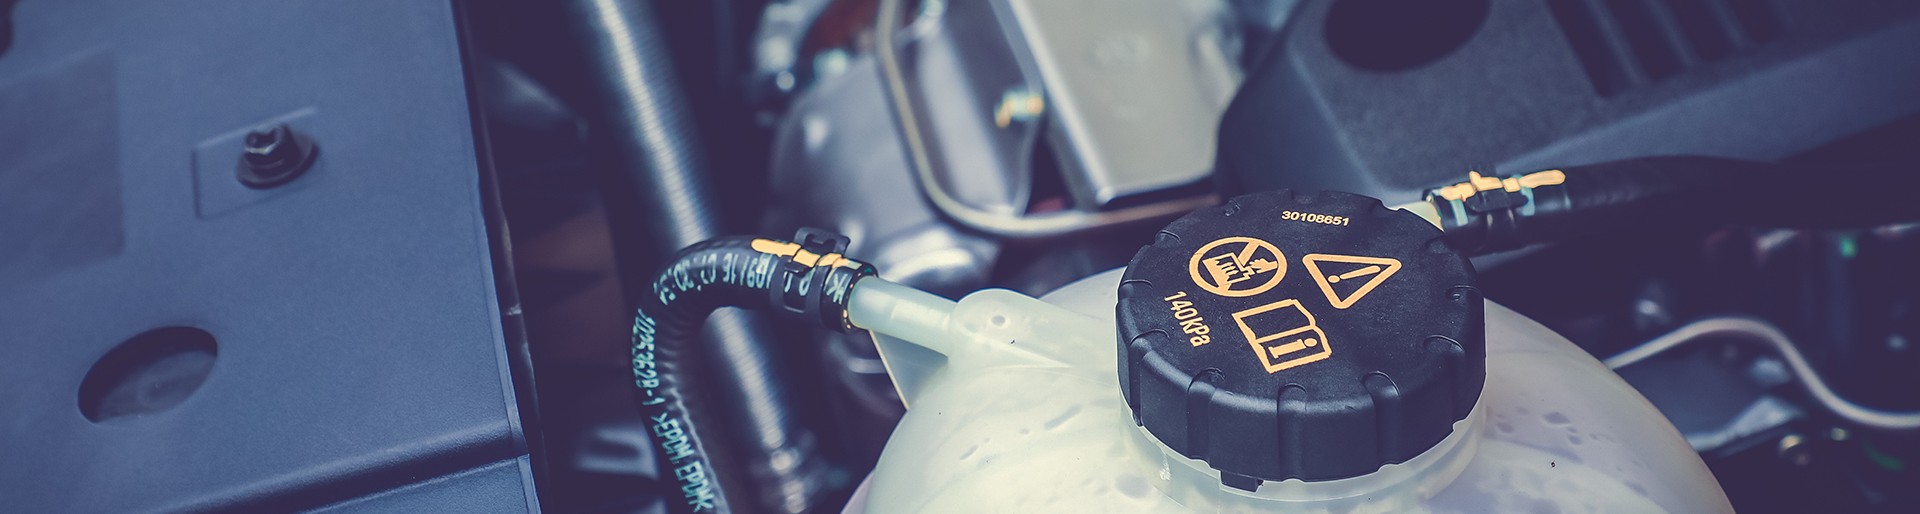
(1349, 277)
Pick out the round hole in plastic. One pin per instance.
(147, 374)
(1392, 35)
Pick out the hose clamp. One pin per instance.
(797, 283)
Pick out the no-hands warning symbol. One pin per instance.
(1353, 276)
(1237, 267)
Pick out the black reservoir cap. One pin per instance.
(1309, 336)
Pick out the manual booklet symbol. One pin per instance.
(1283, 335)
(1355, 276)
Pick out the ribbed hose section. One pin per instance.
(804, 283)
(644, 105)
(787, 472)
(648, 122)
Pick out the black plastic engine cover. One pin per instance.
(1388, 97)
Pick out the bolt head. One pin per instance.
(265, 144)
(1794, 449)
(273, 155)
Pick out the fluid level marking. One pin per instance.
(1283, 335)
(1237, 267)
(1375, 270)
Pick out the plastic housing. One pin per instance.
(1014, 406)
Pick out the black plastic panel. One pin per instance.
(498, 487)
(1562, 83)
(357, 337)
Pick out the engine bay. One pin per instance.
(423, 284)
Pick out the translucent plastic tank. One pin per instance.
(1014, 406)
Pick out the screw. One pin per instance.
(1018, 105)
(1794, 449)
(268, 146)
(274, 155)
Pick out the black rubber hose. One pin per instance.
(1489, 214)
(647, 120)
(809, 282)
(653, 124)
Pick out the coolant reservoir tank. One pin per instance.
(1280, 353)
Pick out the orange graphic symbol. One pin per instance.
(1374, 269)
(1283, 335)
(1237, 267)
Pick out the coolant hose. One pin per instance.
(651, 120)
(808, 281)
(1489, 213)
(646, 120)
